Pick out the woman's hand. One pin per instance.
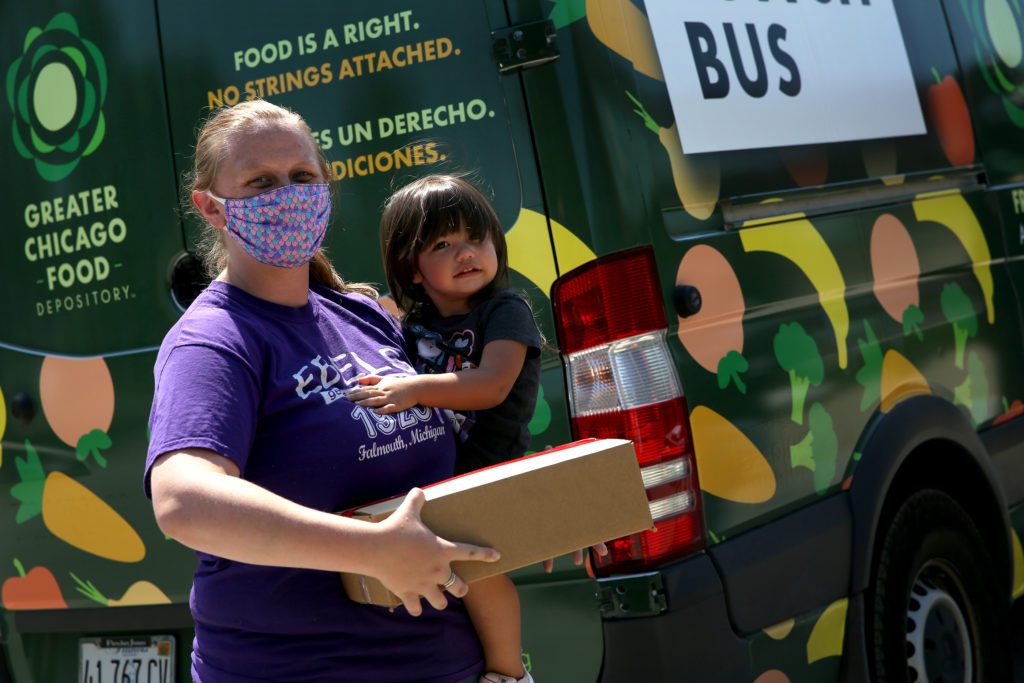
(417, 562)
(385, 394)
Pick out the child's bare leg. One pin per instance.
(493, 607)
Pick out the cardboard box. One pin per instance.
(531, 509)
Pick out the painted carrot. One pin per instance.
(896, 271)
(900, 379)
(139, 593)
(714, 335)
(625, 30)
(951, 119)
(35, 589)
(77, 395)
(697, 178)
(73, 513)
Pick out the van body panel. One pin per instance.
(794, 566)
(92, 186)
(1005, 443)
(852, 287)
(561, 630)
(656, 648)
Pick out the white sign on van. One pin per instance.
(744, 74)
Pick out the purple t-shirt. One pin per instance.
(262, 384)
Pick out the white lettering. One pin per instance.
(375, 450)
(304, 382)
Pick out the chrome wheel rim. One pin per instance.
(938, 637)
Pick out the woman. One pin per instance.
(254, 446)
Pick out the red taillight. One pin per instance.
(674, 538)
(659, 432)
(608, 299)
(622, 383)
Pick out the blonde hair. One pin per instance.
(212, 145)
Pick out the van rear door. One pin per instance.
(90, 230)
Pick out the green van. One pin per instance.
(779, 244)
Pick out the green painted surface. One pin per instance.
(90, 226)
(561, 626)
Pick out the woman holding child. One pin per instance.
(254, 445)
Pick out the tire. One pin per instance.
(938, 608)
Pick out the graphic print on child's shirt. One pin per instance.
(435, 355)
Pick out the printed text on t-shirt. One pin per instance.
(323, 377)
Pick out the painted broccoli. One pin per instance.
(959, 311)
(973, 392)
(870, 376)
(93, 443)
(797, 353)
(818, 450)
(730, 367)
(912, 319)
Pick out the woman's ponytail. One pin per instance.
(322, 272)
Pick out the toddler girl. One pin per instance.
(478, 347)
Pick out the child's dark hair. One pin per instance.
(421, 212)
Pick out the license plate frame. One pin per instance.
(126, 659)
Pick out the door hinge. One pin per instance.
(637, 595)
(525, 46)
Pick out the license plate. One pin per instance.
(126, 659)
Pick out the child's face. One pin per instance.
(455, 267)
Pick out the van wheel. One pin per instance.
(938, 609)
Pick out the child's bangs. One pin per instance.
(444, 209)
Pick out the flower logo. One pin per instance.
(56, 90)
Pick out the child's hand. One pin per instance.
(385, 394)
(577, 556)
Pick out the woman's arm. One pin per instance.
(473, 389)
(199, 500)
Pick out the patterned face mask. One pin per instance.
(283, 227)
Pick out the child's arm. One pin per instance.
(472, 389)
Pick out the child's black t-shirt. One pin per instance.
(453, 343)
